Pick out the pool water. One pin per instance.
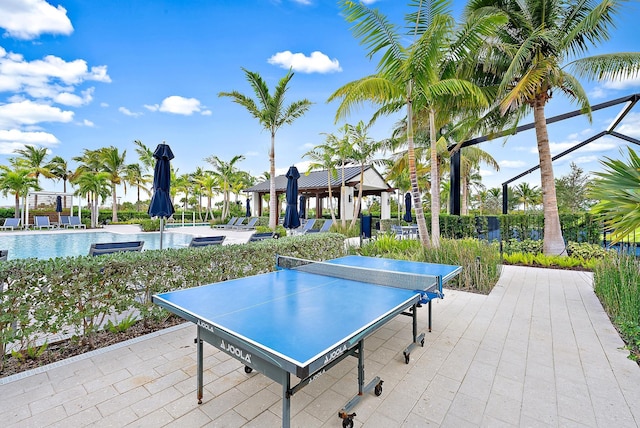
(51, 245)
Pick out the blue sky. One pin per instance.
(78, 75)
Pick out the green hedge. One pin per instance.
(77, 295)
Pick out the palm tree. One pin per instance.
(533, 54)
(272, 114)
(59, 169)
(145, 155)
(224, 172)
(113, 163)
(323, 158)
(617, 189)
(135, 176)
(18, 182)
(527, 195)
(363, 149)
(419, 76)
(209, 185)
(470, 159)
(33, 159)
(93, 185)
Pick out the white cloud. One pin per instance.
(179, 105)
(511, 163)
(13, 139)
(49, 78)
(624, 83)
(128, 112)
(88, 123)
(28, 19)
(251, 154)
(30, 113)
(600, 145)
(316, 63)
(630, 125)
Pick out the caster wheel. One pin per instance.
(378, 390)
(422, 343)
(347, 423)
(406, 358)
(247, 369)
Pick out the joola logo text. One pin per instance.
(317, 375)
(335, 354)
(230, 349)
(205, 326)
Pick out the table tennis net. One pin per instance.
(409, 281)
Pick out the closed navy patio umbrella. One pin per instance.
(161, 205)
(291, 219)
(301, 210)
(58, 206)
(407, 208)
(248, 212)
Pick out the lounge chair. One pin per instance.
(249, 226)
(230, 223)
(261, 236)
(3, 255)
(204, 241)
(42, 222)
(238, 222)
(325, 227)
(64, 221)
(11, 223)
(100, 248)
(74, 221)
(307, 226)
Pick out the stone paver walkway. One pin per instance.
(538, 351)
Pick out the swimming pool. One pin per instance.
(51, 245)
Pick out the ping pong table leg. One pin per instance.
(429, 315)
(286, 400)
(199, 347)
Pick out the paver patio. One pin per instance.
(538, 351)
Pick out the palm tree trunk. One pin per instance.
(413, 176)
(333, 216)
(114, 214)
(435, 184)
(553, 241)
(464, 208)
(356, 209)
(273, 200)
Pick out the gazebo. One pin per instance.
(47, 201)
(316, 185)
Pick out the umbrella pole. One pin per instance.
(161, 230)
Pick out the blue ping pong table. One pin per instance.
(305, 317)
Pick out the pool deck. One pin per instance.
(539, 350)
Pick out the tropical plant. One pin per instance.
(113, 163)
(527, 195)
(571, 190)
(224, 172)
(33, 159)
(17, 182)
(272, 114)
(323, 157)
(95, 186)
(618, 189)
(533, 53)
(420, 76)
(134, 175)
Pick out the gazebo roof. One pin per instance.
(317, 181)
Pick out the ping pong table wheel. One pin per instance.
(347, 419)
(247, 369)
(422, 342)
(378, 389)
(407, 357)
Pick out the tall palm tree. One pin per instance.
(272, 114)
(113, 163)
(18, 182)
(419, 76)
(363, 149)
(33, 158)
(323, 158)
(527, 195)
(145, 155)
(209, 185)
(533, 53)
(59, 169)
(617, 189)
(224, 172)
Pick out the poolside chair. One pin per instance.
(100, 248)
(74, 221)
(261, 236)
(230, 223)
(64, 221)
(307, 226)
(325, 227)
(237, 223)
(249, 226)
(3, 255)
(11, 223)
(204, 241)
(42, 222)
